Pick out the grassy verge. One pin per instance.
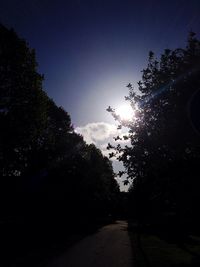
(153, 251)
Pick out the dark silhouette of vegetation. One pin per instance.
(52, 182)
(163, 157)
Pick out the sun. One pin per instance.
(125, 112)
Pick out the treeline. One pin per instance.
(163, 158)
(49, 175)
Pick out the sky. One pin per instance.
(90, 50)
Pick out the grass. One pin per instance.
(153, 251)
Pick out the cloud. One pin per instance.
(100, 134)
(97, 132)
(105, 151)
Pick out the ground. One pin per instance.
(109, 247)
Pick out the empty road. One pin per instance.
(109, 247)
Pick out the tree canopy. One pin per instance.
(164, 153)
(39, 148)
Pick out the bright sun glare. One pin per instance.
(125, 112)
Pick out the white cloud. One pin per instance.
(100, 134)
(105, 151)
(97, 132)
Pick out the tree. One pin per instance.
(93, 181)
(163, 157)
(51, 165)
(23, 103)
(35, 132)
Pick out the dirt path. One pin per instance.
(110, 247)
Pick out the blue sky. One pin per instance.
(89, 51)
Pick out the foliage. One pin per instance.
(163, 158)
(22, 103)
(50, 165)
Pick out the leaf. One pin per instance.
(109, 109)
(126, 182)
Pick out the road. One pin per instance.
(109, 247)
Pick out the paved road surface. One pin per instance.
(110, 247)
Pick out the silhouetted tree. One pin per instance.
(57, 173)
(163, 158)
(23, 111)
